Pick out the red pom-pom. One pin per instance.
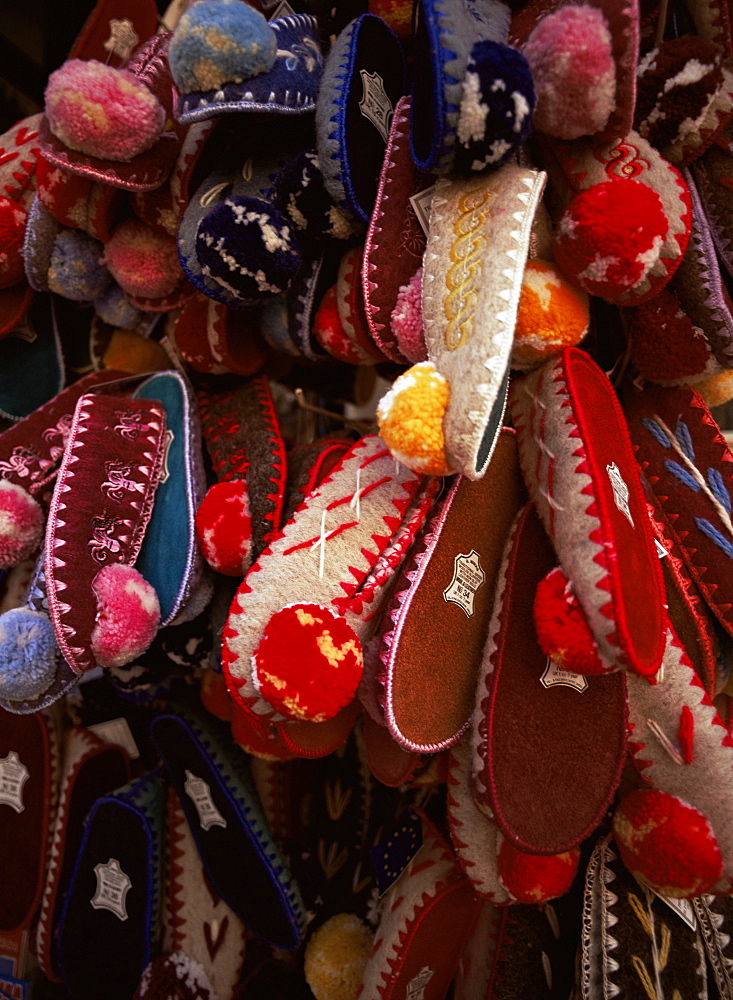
(610, 236)
(330, 334)
(142, 261)
(667, 843)
(21, 524)
(13, 218)
(224, 528)
(128, 614)
(309, 662)
(532, 878)
(562, 629)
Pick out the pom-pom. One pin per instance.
(552, 315)
(666, 346)
(329, 331)
(21, 524)
(218, 42)
(76, 270)
(717, 389)
(28, 652)
(397, 14)
(114, 309)
(562, 629)
(224, 528)
(610, 236)
(128, 351)
(407, 321)
(336, 956)
(143, 261)
(246, 246)
(410, 418)
(495, 114)
(174, 977)
(102, 112)
(13, 219)
(667, 844)
(128, 614)
(308, 663)
(570, 53)
(531, 878)
(301, 196)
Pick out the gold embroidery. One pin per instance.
(638, 907)
(646, 979)
(332, 860)
(464, 274)
(337, 799)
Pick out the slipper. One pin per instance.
(32, 367)
(441, 605)
(574, 445)
(113, 903)
(79, 202)
(389, 763)
(472, 93)
(351, 307)
(363, 79)
(214, 787)
(478, 243)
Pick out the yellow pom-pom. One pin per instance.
(336, 956)
(553, 315)
(410, 419)
(717, 389)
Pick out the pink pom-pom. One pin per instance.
(224, 528)
(128, 614)
(13, 218)
(101, 111)
(407, 321)
(21, 524)
(143, 262)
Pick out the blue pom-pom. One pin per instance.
(218, 42)
(114, 309)
(246, 246)
(495, 114)
(301, 195)
(76, 271)
(28, 654)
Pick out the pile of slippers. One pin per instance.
(366, 520)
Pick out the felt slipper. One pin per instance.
(363, 79)
(214, 787)
(78, 202)
(91, 769)
(107, 480)
(138, 144)
(32, 368)
(196, 920)
(243, 438)
(19, 148)
(477, 246)
(428, 914)
(187, 331)
(390, 763)
(620, 242)
(713, 174)
(319, 739)
(308, 466)
(395, 240)
(246, 64)
(441, 605)
(583, 59)
(323, 557)
(114, 29)
(574, 444)
(473, 975)
(544, 799)
(307, 291)
(472, 93)
(112, 906)
(29, 767)
(686, 461)
(351, 308)
(234, 339)
(169, 558)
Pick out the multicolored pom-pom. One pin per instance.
(28, 652)
(410, 418)
(322, 677)
(562, 628)
(667, 843)
(610, 236)
(13, 218)
(174, 976)
(21, 524)
(224, 528)
(553, 315)
(218, 42)
(143, 262)
(101, 111)
(336, 956)
(128, 615)
(531, 878)
(407, 320)
(76, 270)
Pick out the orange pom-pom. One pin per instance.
(553, 314)
(534, 878)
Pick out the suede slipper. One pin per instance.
(390, 763)
(477, 246)
(215, 789)
(544, 796)
(472, 93)
(363, 79)
(112, 907)
(441, 605)
(574, 444)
